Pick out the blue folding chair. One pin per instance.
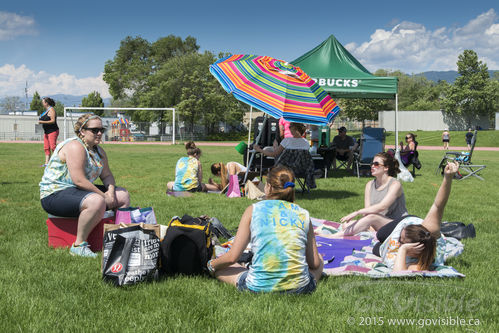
(372, 142)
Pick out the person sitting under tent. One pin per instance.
(344, 146)
(285, 256)
(189, 173)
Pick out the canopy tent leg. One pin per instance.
(397, 148)
(257, 142)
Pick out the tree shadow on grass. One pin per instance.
(325, 194)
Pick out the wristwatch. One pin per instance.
(211, 270)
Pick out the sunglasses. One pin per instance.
(96, 130)
(408, 137)
(376, 164)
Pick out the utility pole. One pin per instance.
(26, 94)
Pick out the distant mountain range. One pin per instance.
(449, 76)
(72, 100)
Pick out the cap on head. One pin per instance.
(342, 129)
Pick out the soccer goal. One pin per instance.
(71, 114)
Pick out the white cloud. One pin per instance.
(13, 25)
(13, 80)
(412, 48)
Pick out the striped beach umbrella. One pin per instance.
(276, 88)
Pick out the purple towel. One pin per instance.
(339, 248)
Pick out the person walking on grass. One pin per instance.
(446, 139)
(285, 256)
(67, 188)
(469, 137)
(48, 120)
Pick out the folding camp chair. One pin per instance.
(466, 167)
(302, 164)
(372, 142)
(413, 159)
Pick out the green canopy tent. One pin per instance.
(338, 72)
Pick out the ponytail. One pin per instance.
(391, 163)
(419, 234)
(281, 179)
(191, 148)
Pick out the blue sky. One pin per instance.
(61, 46)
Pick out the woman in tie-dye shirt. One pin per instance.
(189, 172)
(285, 257)
(67, 187)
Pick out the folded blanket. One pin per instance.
(361, 261)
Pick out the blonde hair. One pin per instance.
(79, 125)
(281, 179)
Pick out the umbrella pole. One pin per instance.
(257, 142)
(249, 134)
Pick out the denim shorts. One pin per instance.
(67, 202)
(309, 288)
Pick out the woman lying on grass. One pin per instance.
(384, 199)
(285, 257)
(189, 172)
(413, 243)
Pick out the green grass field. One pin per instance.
(434, 138)
(47, 290)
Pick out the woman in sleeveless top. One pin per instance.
(446, 139)
(48, 119)
(285, 256)
(408, 151)
(189, 172)
(67, 188)
(384, 199)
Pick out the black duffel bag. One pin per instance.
(458, 230)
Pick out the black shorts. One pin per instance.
(67, 202)
(385, 231)
(199, 188)
(342, 157)
(445, 140)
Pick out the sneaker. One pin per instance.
(82, 250)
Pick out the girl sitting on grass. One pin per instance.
(189, 172)
(285, 256)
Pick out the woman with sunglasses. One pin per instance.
(67, 187)
(408, 151)
(384, 199)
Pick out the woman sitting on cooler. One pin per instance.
(67, 187)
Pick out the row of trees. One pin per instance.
(171, 72)
(473, 94)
